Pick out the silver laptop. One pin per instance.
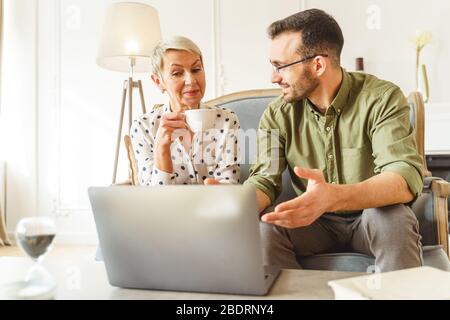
(182, 238)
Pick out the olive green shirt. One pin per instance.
(364, 132)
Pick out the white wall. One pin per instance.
(2, 187)
(18, 116)
(244, 45)
(60, 110)
(387, 47)
(381, 31)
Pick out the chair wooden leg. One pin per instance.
(441, 190)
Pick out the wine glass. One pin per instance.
(35, 237)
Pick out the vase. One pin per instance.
(422, 84)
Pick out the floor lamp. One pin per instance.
(130, 32)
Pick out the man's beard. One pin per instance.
(302, 88)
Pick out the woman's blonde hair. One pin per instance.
(174, 43)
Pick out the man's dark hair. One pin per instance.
(320, 33)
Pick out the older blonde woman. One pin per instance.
(166, 151)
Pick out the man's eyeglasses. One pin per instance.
(278, 68)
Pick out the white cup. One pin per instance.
(200, 120)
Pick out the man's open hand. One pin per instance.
(307, 208)
(211, 181)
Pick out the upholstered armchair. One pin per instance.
(430, 208)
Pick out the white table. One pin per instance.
(86, 279)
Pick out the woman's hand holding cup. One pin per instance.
(170, 122)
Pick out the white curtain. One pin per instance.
(4, 240)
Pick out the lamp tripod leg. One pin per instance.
(130, 103)
(119, 133)
(141, 94)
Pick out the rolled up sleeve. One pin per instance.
(159, 177)
(393, 141)
(409, 173)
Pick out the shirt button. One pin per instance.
(330, 156)
(339, 110)
(328, 128)
(333, 182)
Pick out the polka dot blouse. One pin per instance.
(213, 153)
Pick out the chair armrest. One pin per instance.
(441, 188)
(441, 192)
(131, 160)
(123, 183)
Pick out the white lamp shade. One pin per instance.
(130, 30)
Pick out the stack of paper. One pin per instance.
(421, 283)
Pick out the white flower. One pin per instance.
(422, 38)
